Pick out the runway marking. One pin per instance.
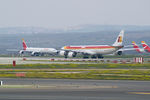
(147, 93)
(57, 86)
(16, 86)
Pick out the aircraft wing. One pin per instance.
(13, 50)
(126, 49)
(88, 52)
(140, 50)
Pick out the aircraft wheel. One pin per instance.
(100, 56)
(66, 56)
(42, 54)
(93, 57)
(85, 57)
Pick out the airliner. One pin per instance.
(95, 51)
(37, 51)
(145, 46)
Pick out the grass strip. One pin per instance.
(91, 74)
(76, 66)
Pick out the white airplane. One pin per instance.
(95, 51)
(37, 51)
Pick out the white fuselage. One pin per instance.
(41, 50)
(92, 49)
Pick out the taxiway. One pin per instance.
(65, 89)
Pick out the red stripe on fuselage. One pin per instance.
(88, 47)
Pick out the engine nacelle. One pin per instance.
(72, 54)
(119, 53)
(62, 53)
(35, 54)
(67, 54)
(21, 52)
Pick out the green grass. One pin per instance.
(86, 71)
(76, 66)
(80, 76)
(109, 74)
(122, 75)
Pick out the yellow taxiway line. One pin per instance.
(147, 93)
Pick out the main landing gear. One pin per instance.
(100, 56)
(93, 57)
(85, 57)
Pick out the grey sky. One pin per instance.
(64, 13)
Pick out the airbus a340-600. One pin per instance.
(95, 51)
(37, 51)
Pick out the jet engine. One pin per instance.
(62, 53)
(21, 52)
(119, 53)
(67, 54)
(35, 54)
(72, 54)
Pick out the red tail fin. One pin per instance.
(145, 46)
(24, 44)
(136, 47)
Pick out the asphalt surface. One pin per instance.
(60, 89)
(29, 60)
(47, 60)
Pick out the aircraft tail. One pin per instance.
(145, 46)
(119, 39)
(136, 47)
(24, 44)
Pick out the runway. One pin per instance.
(33, 60)
(47, 60)
(67, 89)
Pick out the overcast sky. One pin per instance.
(64, 13)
